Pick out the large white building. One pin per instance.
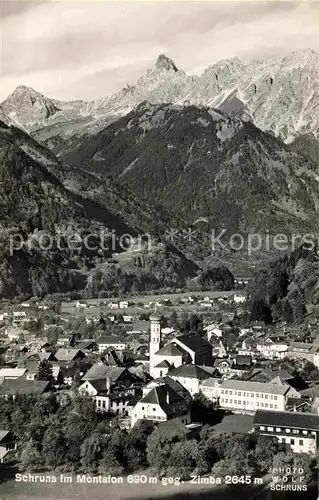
(245, 396)
(299, 430)
(271, 349)
(161, 403)
(190, 377)
(110, 341)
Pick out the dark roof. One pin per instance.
(243, 359)
(109, 339)
(23, 386)
(167, 398)
(100, 370)
(163, 364)
(195, 342)
(170, 350)
(5, 436)
(172, 427)
(189, 371)
(174, 384)
(68, 354)
(293, 419)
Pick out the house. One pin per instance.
(271, 349)
(7, 444)
(174, 384)
(223, 366)
(40, 356)
(190, 376)
(12, 373)
(160, 404)
(127, 318)
(80, 304)
(32, 368)
(113, 305)
(114, 391)
(245, 396)
(21, 386)
(299, 430)
(123, 304)
(69, 355)
(301, 350)
(110, 341)
(213, 329)
(87, 345)
(239, 298)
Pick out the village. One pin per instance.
(150, 359)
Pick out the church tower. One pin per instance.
(155, 338)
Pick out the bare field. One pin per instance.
(93, 309)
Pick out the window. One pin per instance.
(261, 395)
(222, 391)
(262, 405)
(226, 391)
(270, 406)
(257, 395)
(270, 428)
(278, 429)
(226, 400)
(292, 441)
(239, 393)
(275, 397)
(154, 409)
(295, 431)
(287, 431)
(262, 428)
(266, 396)
(305, 432)
(301, 442)
(275, 406)
(143, 408)
(266, 405)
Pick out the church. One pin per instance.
(183, 349)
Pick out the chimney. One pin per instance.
(108, 384)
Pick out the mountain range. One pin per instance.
(235, 149)
(279, 95)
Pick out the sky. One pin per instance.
(84, 50)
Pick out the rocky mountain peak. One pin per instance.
(164, 62)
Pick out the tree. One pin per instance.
(30, 457)
(45, 371)
(265, 450)
(159, 446)
(260, 311)
(53, 446)
(91, 451)
(183, 459)
(136, 444)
